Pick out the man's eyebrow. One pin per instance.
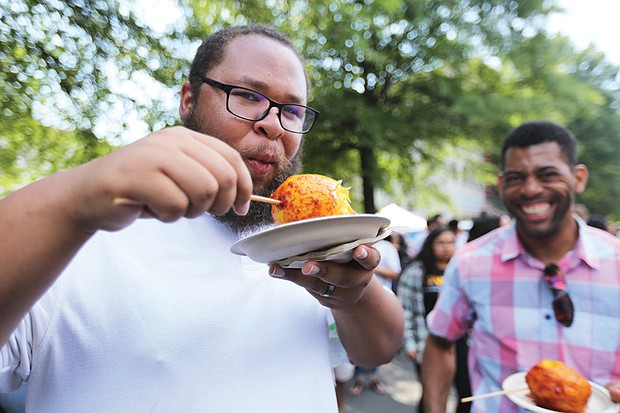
(541, 169)
(511, 172)
(263, 87)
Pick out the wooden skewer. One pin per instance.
(125, 201)
(256, 198)
(266, 200)
(492, 394)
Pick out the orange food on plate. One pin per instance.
(556, 386)
(308, 196)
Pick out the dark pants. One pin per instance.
(461, 377)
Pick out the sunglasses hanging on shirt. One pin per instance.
(562, 304)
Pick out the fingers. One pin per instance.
(177, 172)
(169, 174)
(367, 257)
(234, 183)
(211, 174)
(334, 285)
(614, 390)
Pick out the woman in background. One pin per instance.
(418, 289)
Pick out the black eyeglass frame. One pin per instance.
(272, 104)
(563, 308)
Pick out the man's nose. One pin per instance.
(270, 125)
(531, 185)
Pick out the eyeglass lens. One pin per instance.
(254, 106)
(562, 304)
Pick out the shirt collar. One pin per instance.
(584, 248)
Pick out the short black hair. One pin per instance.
(483, 225)
(536, 132)
(598, 221)
(211, 52)
(433, 219)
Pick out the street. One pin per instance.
(402, 387)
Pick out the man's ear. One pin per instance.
(580, 176)
(186, 105)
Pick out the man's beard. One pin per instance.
(563, 208)
(259, 215)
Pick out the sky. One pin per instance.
(590, 21)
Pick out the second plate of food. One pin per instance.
(302, 237)
(599, 401)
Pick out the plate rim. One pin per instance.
(236, 248)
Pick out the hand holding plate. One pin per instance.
(349, 279)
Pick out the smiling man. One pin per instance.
(545, 287)
(103, 311)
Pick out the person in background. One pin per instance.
(418, 290)
(598, 221)
(583, 212)
(460, 235)
(343, 373)
(544, 287)
(103, 310)
(482, 225)
(434, 221)
(400, 243)
(612, 228)
(389, 267)
(601, 222)
(386, 272)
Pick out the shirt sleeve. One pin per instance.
(410, 293)
(16, 355)
(15, 358)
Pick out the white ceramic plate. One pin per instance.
(302, 237)
(599, 401)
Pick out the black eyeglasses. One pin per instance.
(562, 304)
(249, 104)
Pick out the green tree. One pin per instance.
(404, 86)
(393, 76)
(60, 62)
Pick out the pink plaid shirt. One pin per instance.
(493, 285)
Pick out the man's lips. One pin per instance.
(536, 210)
(261, 165)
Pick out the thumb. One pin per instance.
(614, 390)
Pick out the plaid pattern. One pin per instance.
(411, 295)
(494, 284)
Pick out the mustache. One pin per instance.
(284, 166)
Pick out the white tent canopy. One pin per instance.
(401, 219)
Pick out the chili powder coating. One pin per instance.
(556, 386)
(308, 196)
